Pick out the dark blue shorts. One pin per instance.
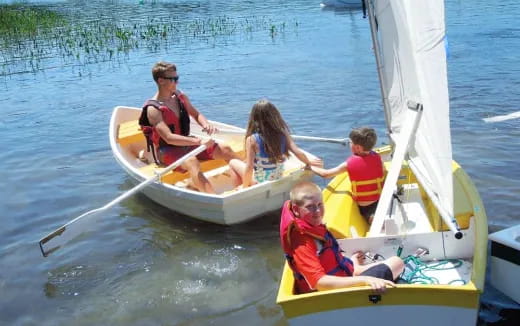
(367, 211)
(379, 271)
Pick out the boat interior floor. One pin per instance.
(446, 272)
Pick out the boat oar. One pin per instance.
(67, 232)
(342, 141)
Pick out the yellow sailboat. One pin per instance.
(429, 213)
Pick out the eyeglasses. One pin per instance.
(173, 79)
(313, 208)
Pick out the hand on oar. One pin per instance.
(56, 239)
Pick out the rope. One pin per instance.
(415, 270)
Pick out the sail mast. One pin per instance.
(373, 30)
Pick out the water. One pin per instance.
(143, 265)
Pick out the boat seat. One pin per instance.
(129, 132)
(339, 201)
(173, 177)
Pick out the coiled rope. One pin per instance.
(415, 270)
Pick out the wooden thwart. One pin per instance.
(129, 132)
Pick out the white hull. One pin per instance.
(505, 261)
(229, 206)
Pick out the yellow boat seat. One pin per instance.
(129, 132)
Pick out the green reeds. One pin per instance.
(18, 20)
(31, 35)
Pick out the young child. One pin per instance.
(314, 255)
(365, 169)
(267, 146)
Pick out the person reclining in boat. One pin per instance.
(267, 146)
(314, 255)
(365, 169)
(165, 121)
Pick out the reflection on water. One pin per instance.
(141, 264)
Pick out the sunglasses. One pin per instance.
(173, 79)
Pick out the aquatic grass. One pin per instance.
(22, 20)
(102, 40)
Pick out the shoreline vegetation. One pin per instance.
(32, 36)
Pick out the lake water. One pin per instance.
(141, 264)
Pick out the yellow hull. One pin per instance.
(424, 303)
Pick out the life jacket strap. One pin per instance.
(147, 131)
(377, 181)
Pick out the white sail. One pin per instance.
(411, 42)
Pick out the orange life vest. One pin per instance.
(330, 254)
(366, 176)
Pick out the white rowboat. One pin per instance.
(229, 205)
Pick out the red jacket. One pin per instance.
(366, 175)
(329, 254)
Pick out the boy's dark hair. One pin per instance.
(364, 136)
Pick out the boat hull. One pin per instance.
(454, 301)
(225, 210)
(229, 206)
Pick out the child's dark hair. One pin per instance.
(266, 120)
(364, 136)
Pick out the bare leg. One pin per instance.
(396, 265)
(237, 168)
(199, 180)
(224, 152)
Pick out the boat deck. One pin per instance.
(446, 272)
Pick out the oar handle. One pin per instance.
(170, 167)
(342, 141)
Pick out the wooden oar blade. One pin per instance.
(55, 240)
(58, 238)
(49, 237)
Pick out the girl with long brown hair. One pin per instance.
(267, 146)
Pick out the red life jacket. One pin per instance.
(178, 125)
(366, 175)
(330, 256)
